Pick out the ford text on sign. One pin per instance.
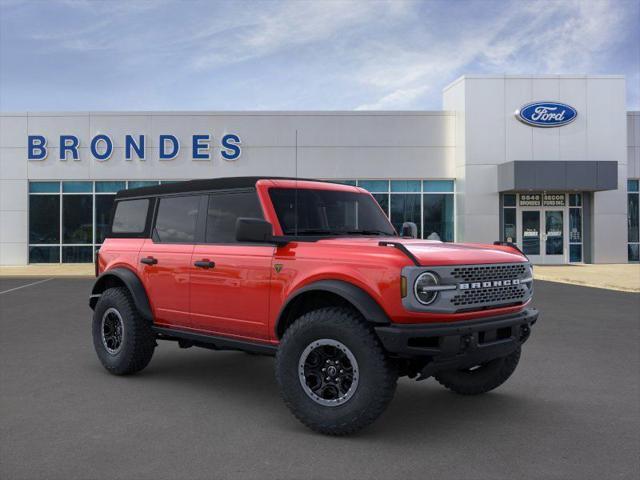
(546, 114)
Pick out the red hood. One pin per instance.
(430, 252)
(437, 253)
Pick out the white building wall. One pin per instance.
(454, 101)
(607, 140)
(476, 132)
(365, 145)
(633, 142)
(486, 105)
(13, 190)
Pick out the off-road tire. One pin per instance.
(377, 375)
(138, 341)
(481, 380)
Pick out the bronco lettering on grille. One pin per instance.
(494, 283)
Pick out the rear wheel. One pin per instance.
(332, 372)
(122, 339)
(480, 378)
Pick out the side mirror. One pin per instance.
(253, 230)
(409, 229)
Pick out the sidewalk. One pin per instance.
(622, 277)
(50, 270)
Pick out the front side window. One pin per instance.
(176, 219)
(328, 212)
(224, 209)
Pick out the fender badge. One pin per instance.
(278, 267)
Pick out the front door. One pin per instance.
(542, 235)
(230, 282)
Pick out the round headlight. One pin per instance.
(422, 288)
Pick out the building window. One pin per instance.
(427, 203)
(509, 218)
(68, 220)
(633, 234)
(44, 222)
(575, 227)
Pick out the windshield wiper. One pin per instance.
(369, 232)
(324, 231)
(318, 231)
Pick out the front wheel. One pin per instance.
(480, 378)
(332, 372)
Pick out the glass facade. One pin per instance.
(550, 211)
(575, 227)
(68, 220)
(633, 234)
(509, 218)
(430, 204)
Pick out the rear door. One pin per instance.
(165, 260)
(230, 281)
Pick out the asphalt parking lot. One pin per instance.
(572, 409)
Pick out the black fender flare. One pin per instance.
(131, 282)
(361, 300)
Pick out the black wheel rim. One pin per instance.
(112, 330)
(328, 372)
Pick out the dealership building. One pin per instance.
(549, 162)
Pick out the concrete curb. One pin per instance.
(583, 283)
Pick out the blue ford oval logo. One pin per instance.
(546, 114)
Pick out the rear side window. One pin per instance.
(224, 210)
(130, 216)
(176, 219)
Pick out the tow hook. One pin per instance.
(469, 342)
(524, 333)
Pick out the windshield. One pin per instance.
(328, 212)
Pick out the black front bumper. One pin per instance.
(446, 346)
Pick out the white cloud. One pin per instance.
(342, 54)
(401, 98)
(531, 37)
(291, 25)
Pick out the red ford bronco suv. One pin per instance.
(313, 273)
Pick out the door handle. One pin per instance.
(204, 264)
(149, 261)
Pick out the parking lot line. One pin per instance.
(25, 286)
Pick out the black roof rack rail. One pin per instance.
(200, 185)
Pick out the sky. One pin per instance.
(297, 55)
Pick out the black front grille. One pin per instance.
(480, 273)
(490, 295)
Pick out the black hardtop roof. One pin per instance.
(202, 185)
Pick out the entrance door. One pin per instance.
(553, 236)
(531, 235)
(542, 235)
